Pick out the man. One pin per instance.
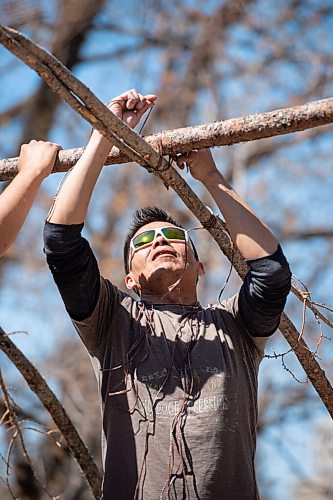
(36, 162)
(177, 381)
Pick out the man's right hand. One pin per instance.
(130, 106)
(74, 197)
(38, 158)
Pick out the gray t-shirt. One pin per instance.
(178, 385)
(178, 388)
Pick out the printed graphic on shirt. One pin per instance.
(161, 398)
(170, 409)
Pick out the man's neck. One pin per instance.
(173, 296)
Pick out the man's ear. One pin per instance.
(130, 282)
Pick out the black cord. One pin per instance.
(145, 120)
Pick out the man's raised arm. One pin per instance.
(73, 199)
(265, 289)
(68, 254)
(251, 235)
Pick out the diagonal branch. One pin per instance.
(38, 385)
(62, 81)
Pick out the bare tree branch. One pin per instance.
(15, 425)
(62, 81)
(306, 235)
(223, 133)
(38, 385)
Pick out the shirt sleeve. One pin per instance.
(74, 268)
(263, 294)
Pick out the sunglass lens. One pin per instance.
(143, 238)
(174, 233)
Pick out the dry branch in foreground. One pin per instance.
(47, 397)
(82, 100)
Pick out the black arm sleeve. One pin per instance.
(264, 293)
(74, 268)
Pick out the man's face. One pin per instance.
(162, 260)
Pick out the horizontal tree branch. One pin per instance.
(307, 235)
(62, 81)
(47, 397)
(221, 133)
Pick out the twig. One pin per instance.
(18, 432)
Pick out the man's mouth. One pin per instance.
(163, 253)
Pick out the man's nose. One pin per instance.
(160, 240)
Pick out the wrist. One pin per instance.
(213, 178)
(98, 140)
(31, 175)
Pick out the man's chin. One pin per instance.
(167, 270)
(165, 267)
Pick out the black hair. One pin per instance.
(144, 216)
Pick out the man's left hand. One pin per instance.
(200, 162)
